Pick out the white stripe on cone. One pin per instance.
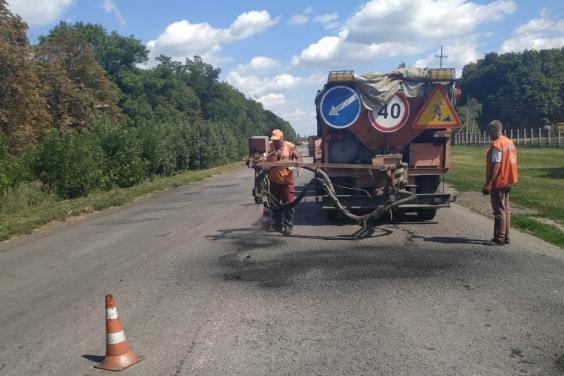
(111, 313)
(115, 338)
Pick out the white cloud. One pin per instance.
(422, 20)
(301, 18)
(256, 86)
(258, 64)
(111, 7)
(303, 122)
(329, 20)
(39, 12)
(272, 100)
(538, 33)
(386, 28)
(266, 81)
(184, 39)
(298, 19)
(248, 24)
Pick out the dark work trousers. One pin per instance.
(285, 194)
(502, 213)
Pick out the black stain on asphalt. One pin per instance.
(354, 264)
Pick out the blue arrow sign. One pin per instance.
(340, 107)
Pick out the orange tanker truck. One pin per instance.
(382, 144)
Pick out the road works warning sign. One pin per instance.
(437, 112)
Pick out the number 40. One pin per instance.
(395, 111)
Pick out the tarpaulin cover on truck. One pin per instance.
(376, 89)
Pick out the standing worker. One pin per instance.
(501, 174)
(282, 180)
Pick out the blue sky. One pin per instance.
(279, 52)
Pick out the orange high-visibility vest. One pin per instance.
(508, 167)
(283, 175)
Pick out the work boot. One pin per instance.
(287, 230)
(495, 242)
(288, 221)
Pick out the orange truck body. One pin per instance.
(423, 147)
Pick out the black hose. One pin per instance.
(322, 178)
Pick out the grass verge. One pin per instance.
(540, 187)
(29, 208)
(541, 230)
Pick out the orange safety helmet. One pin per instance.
(276, 134)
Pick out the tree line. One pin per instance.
(522, 89)
(79, 112)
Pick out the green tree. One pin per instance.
(523, 90)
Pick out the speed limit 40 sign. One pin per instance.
(392, 115)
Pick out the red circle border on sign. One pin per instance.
(402, 122)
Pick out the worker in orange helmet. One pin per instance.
(501, 174)
(282, 180)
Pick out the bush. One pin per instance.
(70, 165)
(158, 148)
(13, 170)
(123, 162)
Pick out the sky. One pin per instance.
(280, 52)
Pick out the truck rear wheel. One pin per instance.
(426, 214)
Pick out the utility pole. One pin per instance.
(467, 112)
(441, 57)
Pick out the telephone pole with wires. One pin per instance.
(441, 57)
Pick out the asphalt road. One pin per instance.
(202, 291)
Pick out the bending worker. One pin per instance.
(282, 180)
(501, 174)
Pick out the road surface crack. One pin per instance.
(192, 345)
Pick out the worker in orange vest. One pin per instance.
(282, 180)
(501, 174)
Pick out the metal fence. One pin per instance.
(525, 137)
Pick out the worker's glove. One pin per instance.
(486, 189)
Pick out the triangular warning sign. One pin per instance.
(437, 112)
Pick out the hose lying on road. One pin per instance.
(262, 186)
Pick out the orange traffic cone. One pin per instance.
(118, 355)
(267, 219)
